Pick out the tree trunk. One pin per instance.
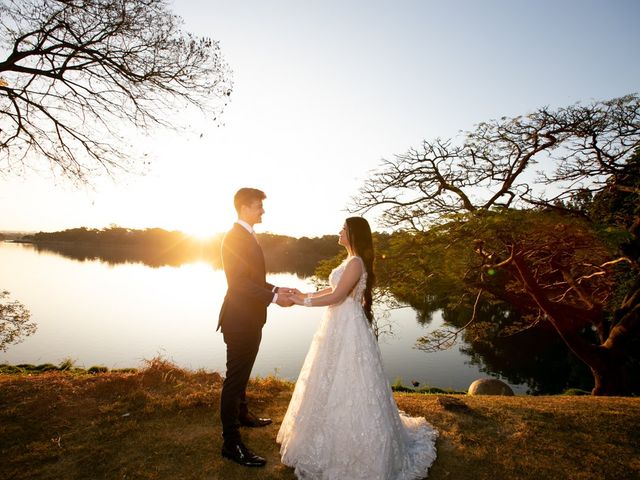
(606, 365)
(608, 369)
(605, 361)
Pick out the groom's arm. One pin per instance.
(238, 274)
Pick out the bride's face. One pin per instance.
(344, 238)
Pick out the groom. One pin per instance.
(243, 313)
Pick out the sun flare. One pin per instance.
(199, 231)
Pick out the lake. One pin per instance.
(118, 315)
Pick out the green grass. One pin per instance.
(65, 366)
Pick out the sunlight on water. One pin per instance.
(97, 313)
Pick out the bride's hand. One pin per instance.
(298, 298)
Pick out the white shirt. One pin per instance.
(247, 227)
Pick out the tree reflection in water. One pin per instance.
(535, 356)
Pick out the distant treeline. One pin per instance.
(157, 247)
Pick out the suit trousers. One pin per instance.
(242, 349)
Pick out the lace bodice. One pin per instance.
(358, 291)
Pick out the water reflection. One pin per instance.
(118, 254)
(99, 312)
(498, 344)
(282, 254)
(118, 306)
(535, 357)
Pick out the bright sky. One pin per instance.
(325, 89)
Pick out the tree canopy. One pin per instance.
(15, 321)
(559, 247)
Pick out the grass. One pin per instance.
(161, 422)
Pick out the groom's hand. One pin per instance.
(284, 300)
(289, 290)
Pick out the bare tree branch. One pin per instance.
(78, 72)
(493, 165)
(445, 338)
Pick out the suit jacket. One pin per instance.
(248, 293)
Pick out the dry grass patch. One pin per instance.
(157, 423)
(532, 437)
(161, 422)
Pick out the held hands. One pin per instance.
(284, 299)
(285, 295)
(288, 290)
(298, 299)
(290, 296)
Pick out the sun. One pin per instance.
(199, 234)
(198, 229)
(201, 225)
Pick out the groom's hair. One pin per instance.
(246, 196)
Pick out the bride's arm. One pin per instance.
(350, 277)
(319, 292)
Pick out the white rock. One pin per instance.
(489, 386)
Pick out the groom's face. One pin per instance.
(253, 212)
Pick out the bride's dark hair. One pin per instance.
(361, 242)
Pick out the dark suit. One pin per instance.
(243, 313)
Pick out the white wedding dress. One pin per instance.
(342, 422)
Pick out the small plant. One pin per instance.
(575, 392)
(398, 387)
(98, 369)
(124, 370)
(46, 367)
(10, 369)
(66, 364)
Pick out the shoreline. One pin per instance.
(69, 367)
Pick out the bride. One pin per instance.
(342, 421)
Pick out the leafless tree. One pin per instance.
(579, 146)
(77, 73)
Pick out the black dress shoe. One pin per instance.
(240, 454)
(251, 420)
